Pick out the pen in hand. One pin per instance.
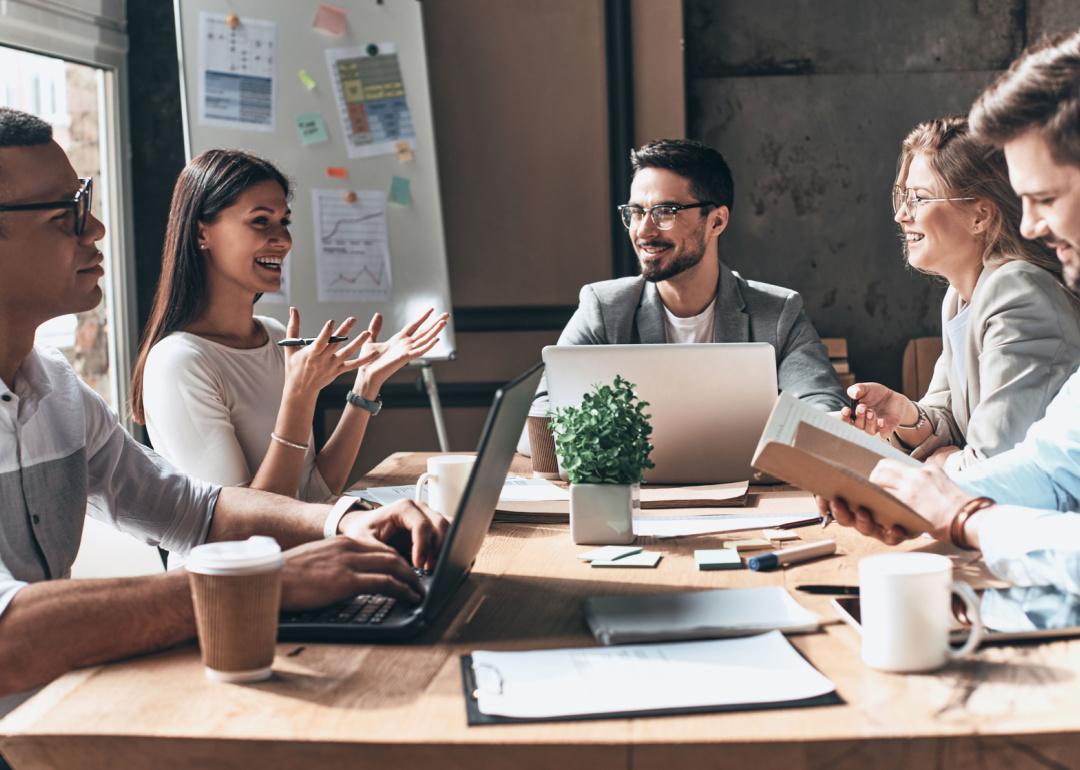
(296, 342)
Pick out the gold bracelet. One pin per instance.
(967, 510)
(286, 442)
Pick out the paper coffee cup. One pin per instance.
(542, 447)
(236, 590)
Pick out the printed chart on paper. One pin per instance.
(370, 96)
(352, 251)
(236, 72)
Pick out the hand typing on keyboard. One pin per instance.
(425, 529)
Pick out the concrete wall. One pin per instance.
(809, 100)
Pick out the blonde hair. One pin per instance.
(967, 168)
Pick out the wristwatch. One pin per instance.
(362, 403)
(920, 422)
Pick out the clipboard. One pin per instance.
(475, 717)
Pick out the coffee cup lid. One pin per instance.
(236, 557)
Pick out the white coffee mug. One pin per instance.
(446, 478)
(905, 604)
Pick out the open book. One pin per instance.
(821, 454)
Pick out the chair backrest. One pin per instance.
(920, 355)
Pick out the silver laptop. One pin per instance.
(709, 402)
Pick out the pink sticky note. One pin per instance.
(330, 19)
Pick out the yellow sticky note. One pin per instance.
(306, 79)
(404, 151)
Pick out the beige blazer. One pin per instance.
(1022, 343)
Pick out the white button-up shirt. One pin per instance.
(63, 454)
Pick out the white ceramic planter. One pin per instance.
(603, 514)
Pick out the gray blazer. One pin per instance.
(629, 310)
(1022, 343)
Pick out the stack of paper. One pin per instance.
(550, 504)
(640, 680)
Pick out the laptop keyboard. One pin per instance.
(365, 609)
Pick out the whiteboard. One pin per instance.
(417, 250)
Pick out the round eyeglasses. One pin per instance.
(906, 198)
(662, 214)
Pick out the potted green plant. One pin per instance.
(603, 446)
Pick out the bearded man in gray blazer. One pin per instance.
(680, 203)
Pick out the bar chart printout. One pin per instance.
(352, 251)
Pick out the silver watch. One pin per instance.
(924, 418)
(362, 403)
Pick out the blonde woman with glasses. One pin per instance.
(1010, 328)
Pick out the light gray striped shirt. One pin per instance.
(63, 454)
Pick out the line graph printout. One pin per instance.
(352, 251)
(370, 96)
(236, 72)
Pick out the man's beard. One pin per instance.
(654, 272)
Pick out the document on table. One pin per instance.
(678, 526)
(514, 490)
(659, 678)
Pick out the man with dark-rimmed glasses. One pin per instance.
(680, 203)
(63, 455)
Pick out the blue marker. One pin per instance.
(767, 561)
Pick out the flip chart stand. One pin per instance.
(428, 375)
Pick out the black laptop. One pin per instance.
(371, 618)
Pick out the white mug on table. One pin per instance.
(445, 479)
(905, 604)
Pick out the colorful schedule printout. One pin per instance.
(352, 251)
(237, 72)
(370, 96)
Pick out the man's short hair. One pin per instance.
(21, 129)
(708, 172)
(1041, 90)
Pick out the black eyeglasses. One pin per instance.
(662, 214)
(80, 204)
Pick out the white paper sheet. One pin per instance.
(370, 95)
(604, 680)
(237, 72)
(673, 526)
(515, 489)
(352, 249)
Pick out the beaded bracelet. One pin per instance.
(967, 510)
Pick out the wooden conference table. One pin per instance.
(387, 706)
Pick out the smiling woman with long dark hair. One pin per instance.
(220, 399)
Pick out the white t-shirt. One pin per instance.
(210, 408)
(696, 328)
(956, 328)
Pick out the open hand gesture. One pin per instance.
(311, 368)
(413, 341)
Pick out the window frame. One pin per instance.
(94, 33)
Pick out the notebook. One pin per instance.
(723, 612)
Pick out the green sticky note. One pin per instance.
(306, 79)
(312, 128)
(718, 558)
(400, 191)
